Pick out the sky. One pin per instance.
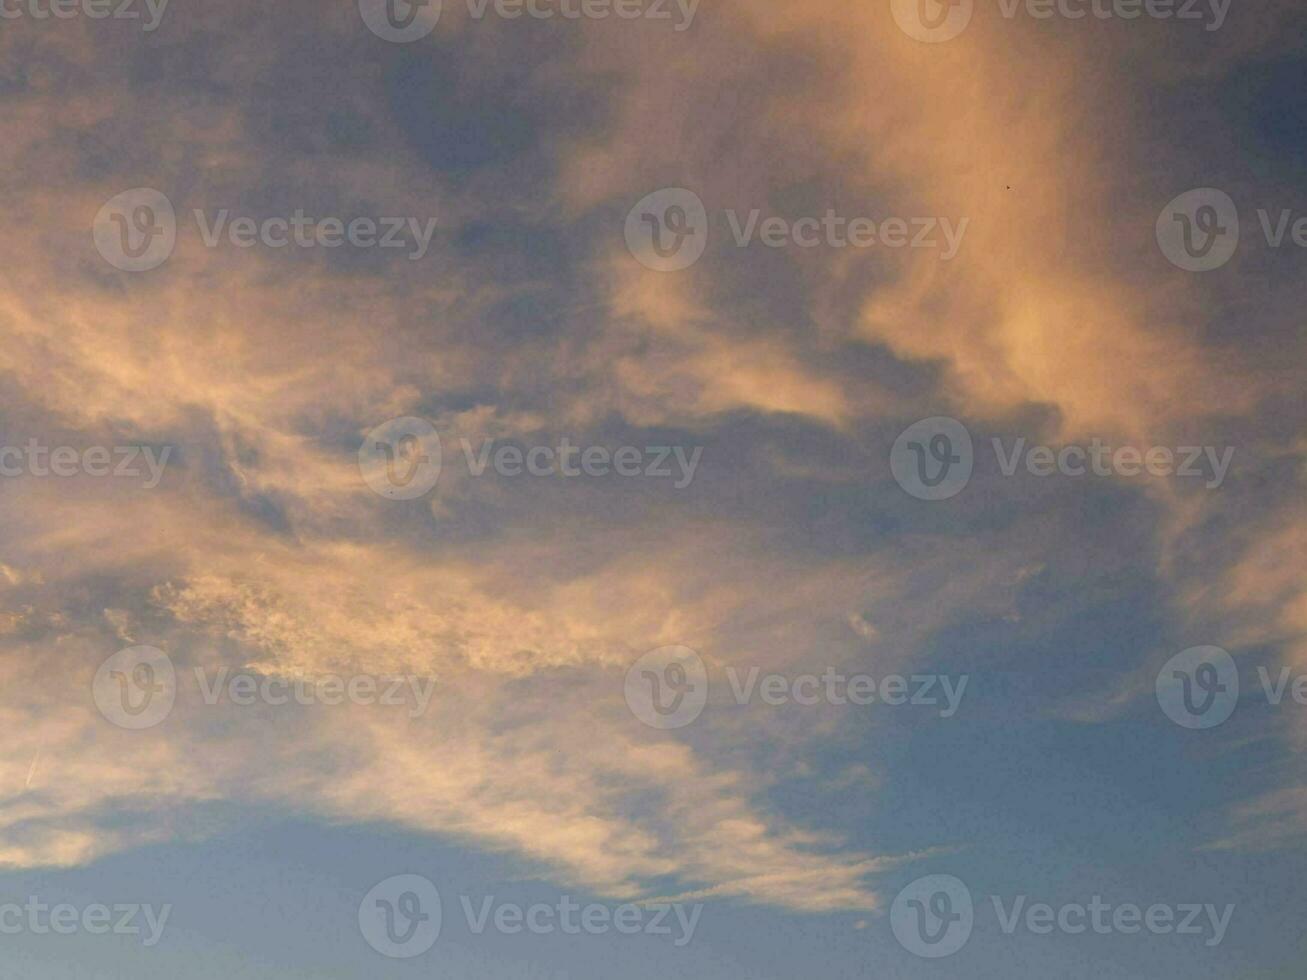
(559, 490)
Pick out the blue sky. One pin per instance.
(705, 358)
